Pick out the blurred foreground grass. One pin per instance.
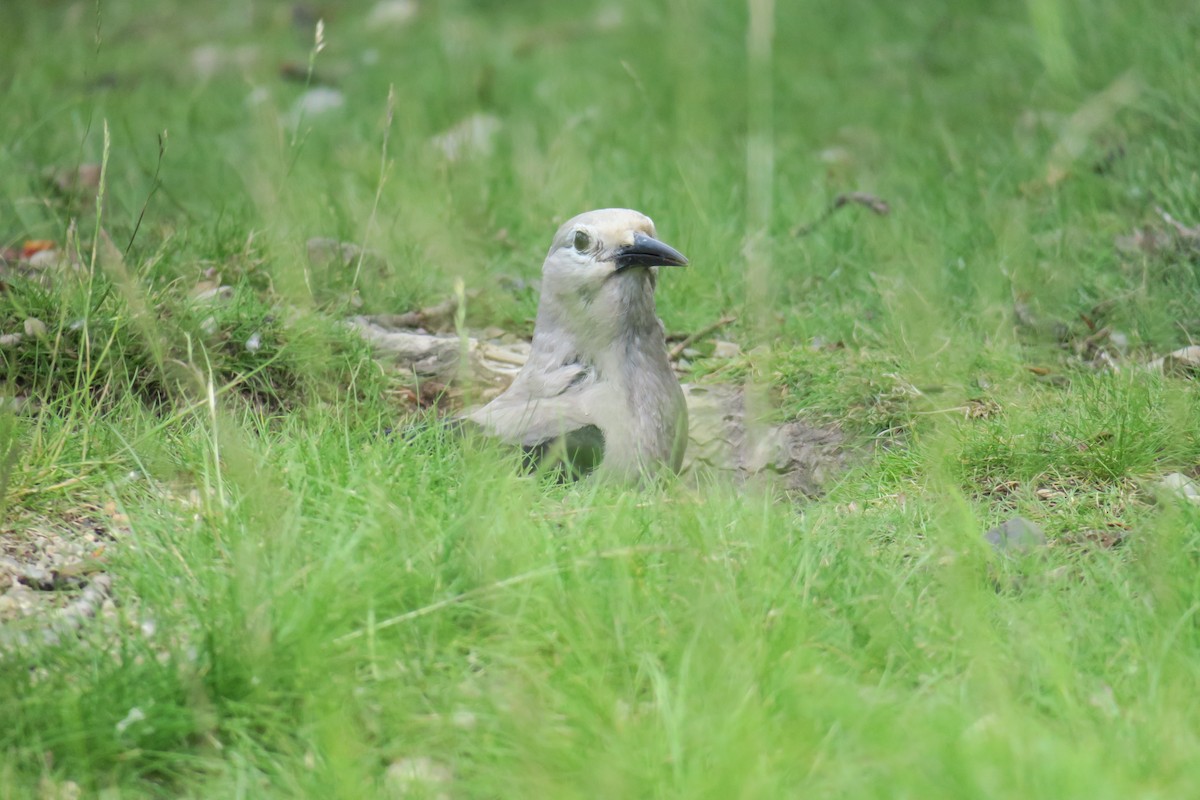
(306, 607)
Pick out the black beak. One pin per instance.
(647, 251)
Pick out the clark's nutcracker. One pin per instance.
(598, 391)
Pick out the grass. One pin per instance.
(307, 606)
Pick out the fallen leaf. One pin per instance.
(36, 246)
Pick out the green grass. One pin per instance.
(308, 606)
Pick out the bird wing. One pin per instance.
(520, 418)
(550, 415)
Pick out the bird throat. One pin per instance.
(613, 333)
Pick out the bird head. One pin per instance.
(600, 273)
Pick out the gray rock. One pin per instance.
(723, 349)
(35, 327)
(392, 12)
(325, 253)
(805, 458)
(1183, 363)
(1179, 485)
(46, 259)
(1016, 536)
(213, 294)
(418, 776)
(472, 136)
(315, 102)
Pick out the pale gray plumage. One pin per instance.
(598, 373)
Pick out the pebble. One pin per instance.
(45, 259)
(1181, 486)
(474, 135)
(726, 349)
(316, 102)
(214, 294)
(35, 327)
(419, 776)
(392, 12)
(1018, 536)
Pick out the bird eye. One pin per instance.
(582, 241)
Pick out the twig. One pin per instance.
(869, 201)
(19, 494)
(1182, 230)
(503, 356)
(691, 339)
(162, 150)
(383, 171)
(436, 317)
(524, 577)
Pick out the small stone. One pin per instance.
(1104, 700)
(1183, 363)
(463, 719)
(15, 404)
(474, 135)
(258, 95)
(1180, 485)
(49, 789)
(330, 253)
(254, 343)
(206, 60)
(35, 327)
(1143, 241)
(85, 177)
(726, 349)
(1017, 536)
(835, 155)
(135, 715)
(419, 776)
(805, 459)
(45, 259)
(315, 102)
(214, 294)
(11, 339)
(392, 12)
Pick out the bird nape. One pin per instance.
(598, 393)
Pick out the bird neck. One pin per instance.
(616, 331)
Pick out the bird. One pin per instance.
(597, 394)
